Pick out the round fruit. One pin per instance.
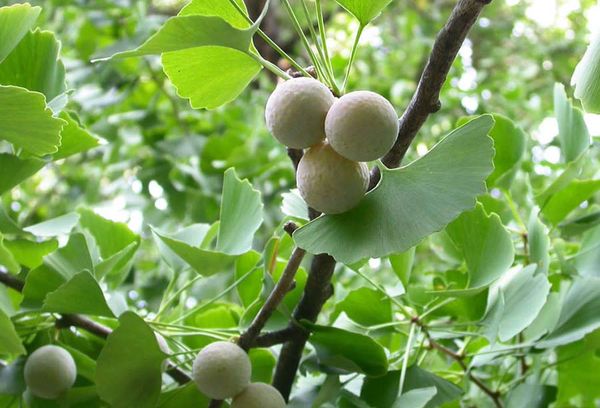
(221, 370)
(164, 347)
(362, 126)
(296, 111)
(50, 371)
(330, 183)
(259, 395)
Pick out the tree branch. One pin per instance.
(426, 101)
(318, 289)
(275, 297)
(81, 322)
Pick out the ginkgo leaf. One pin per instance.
(409, 203)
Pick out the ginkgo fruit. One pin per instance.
(259, 395)
(330, 183)
(50, 371)
(362, 126)
(296, 112)
(221, 370)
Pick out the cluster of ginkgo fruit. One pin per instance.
(341, 134)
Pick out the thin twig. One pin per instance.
(275, 297)
(81, 322)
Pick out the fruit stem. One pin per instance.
(269, 41)
(302, 36)
(323, 61)
(270, 66)
(321, 24)
(352, 56)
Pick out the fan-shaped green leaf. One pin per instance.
(128, 372)
(486, 246)
(573, 134)
(80, 294)
(409, 203)
(26, 122)
(364, 10)
(241, 215)
(348, 351)
(586, 77)
(15, 22)
(34, 64)
(210, 76)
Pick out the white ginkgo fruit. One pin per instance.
(296, 112)
(330, 183)
(50, 371)
(258, 395)
(362, 126)
(222, 370)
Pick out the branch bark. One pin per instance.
(426, 101)
(275, 297)
(81, 322)
(318, 289)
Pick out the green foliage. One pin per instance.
(586, 77)
(409, 203)
(119, 204)
(128, 368)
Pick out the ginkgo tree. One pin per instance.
(461, 278)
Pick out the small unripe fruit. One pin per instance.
(259, 395)
(362, 126)
(221, 370)
(296, 111)
(50, 371)
(329, 182)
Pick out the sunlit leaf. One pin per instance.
(15, 22)
(74, 138)
(26, 122)
(34, 64)
(572, 131)
(80, 294)
(586, 77)
(54, 226)
(364, 10)
(241, 215)
(210, 76)
(203, 261)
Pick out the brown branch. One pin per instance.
(318, 289)
(11, 281)
(273, 338)
(426, 98)
(275, 297)
(81, 322)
